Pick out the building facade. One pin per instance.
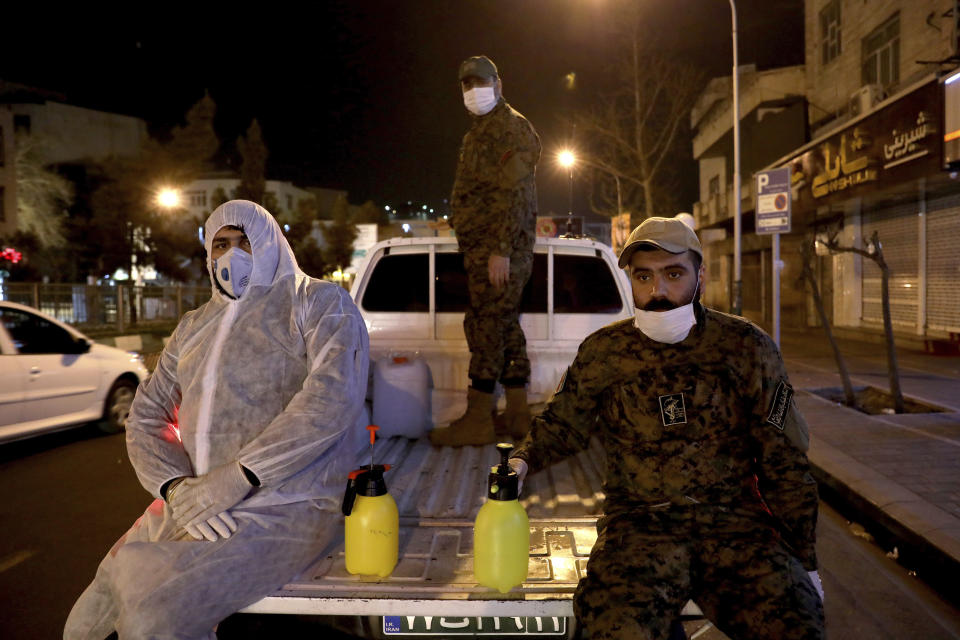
(878, 77)
(64, 134)
(281, 198)
(773, 122)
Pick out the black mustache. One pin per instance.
(659, 304)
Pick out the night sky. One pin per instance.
(363, 96)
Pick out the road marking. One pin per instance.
(14, 559)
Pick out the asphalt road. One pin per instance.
(67, 497)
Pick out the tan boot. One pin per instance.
(517, 416)
(475, 427)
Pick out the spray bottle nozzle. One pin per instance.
(502, 483)
(504, 449)
(372, 428)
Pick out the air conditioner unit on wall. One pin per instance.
(863, 99)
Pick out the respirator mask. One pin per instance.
(232, 270)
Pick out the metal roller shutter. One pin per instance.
(897, 228)
(943, 264)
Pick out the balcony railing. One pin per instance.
(719, 206)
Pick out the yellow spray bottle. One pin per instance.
(501, 533)
(372, 523)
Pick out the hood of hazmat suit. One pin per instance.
(273, 380)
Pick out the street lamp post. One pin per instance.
(736, 306)
(567, 160)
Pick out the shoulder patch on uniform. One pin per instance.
(780, 405)
(672, 409)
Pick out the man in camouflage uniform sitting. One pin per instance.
(493, 211)
(708, 490)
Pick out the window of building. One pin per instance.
(881, 54)
(197, 198)
(830, 31)
(713, 188)
(21, 123)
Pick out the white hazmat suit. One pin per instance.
(274, 380)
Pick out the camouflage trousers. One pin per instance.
(642, 571)
(498, 348)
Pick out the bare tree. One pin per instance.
(874, 252)
(43, 195)
(634, 130)
(806, 256)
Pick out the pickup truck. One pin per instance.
(412, 293)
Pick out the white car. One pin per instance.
(53, 377)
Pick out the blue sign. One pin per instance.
(773, 201)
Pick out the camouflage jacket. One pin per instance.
(710, 420)
(494, 202)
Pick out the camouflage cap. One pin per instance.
(478, 66)
(669, 234)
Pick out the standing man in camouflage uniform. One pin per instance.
(494, 212)
(708, 490)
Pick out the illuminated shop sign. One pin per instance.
(951, 122)
(914, 143)
(897, 143)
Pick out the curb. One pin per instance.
(899, 518)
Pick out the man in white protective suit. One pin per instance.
(241, 435)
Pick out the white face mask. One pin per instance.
(669, 327)
(232, 270)
(480, 100)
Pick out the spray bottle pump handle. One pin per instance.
(504, 449)
(372, 428)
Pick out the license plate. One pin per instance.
(474, 626)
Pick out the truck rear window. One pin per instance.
(399, 283)
(451, 287)
(584, 284)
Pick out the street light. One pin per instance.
(168, 198)
(567, 159)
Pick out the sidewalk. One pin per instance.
(902, 470)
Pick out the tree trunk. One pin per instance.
(808, 274)
(648, 200)
(892, 368)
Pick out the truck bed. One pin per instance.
(438, 493)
